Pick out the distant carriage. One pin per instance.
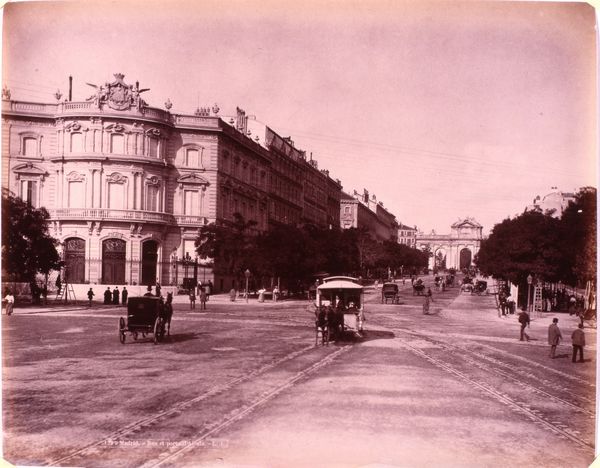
(418, 288)
(146, 316)
(390, 292)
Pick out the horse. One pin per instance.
(168, 312)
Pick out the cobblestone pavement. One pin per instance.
(243, 384)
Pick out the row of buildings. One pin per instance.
(128, 185)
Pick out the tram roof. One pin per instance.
(339, 284)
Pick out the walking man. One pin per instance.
(524, 321)
(107, 295)
(115, 296)
(90, 295)
(124, 295)
(554, 337)
(578, 338)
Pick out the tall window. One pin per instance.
(29, 192)
(76, 142)
(153, 147)
(30, 146)
(191, 202)
(77, 194)
(117, 143)
(116, 196)
(152, 194)
(192, 158)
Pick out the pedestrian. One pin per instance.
(107, 295)
(58, 283)
(524, 321)
(115, 296)
(157, 289)
(192, 298)
(232, 294)
(10, 302)
(275, 294)
(199, 287)
(554, 337)
(90, 295)
(202, 299)
(426, 302)
(210, 290)
(578, 337)
(124, 295)
(572, 304)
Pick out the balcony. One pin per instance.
(109, 214)
(188, 220)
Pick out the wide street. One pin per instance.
(244, 384)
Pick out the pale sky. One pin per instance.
(442, 110)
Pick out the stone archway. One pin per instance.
(465, 258)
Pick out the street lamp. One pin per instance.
(247, 274)
(529, 281)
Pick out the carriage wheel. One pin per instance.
(122, 330)
(159, 330)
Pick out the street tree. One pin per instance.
(230, 244)
(528, 244)
(27, 248)
(578, 238)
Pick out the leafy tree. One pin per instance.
(231, 244)
(578, 237)
(27, 248)
(527, 244)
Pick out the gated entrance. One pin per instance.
(113, 261)
(74, 271)
(149, 261)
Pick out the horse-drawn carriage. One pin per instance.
(147, 315)
(389, 291)
(339, 308)
(480, 287)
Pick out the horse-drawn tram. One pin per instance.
(339, 307)
(146, 315)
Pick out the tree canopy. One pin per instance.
(295, 254)
(550, 249)
(27, 248)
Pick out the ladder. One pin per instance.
(66, 292)
(537, 300)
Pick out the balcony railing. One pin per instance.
(111, 214)
(187, 220)
(101, 214)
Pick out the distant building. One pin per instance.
(364, 211)
(555, 202)
(454, 250)
(407, 235)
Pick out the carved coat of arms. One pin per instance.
(118, 95)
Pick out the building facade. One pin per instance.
(555, 202)
(128, 185)
(364, 211)
(407, 235)
(454, 250)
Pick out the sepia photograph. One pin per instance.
(328, 233)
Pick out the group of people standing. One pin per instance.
(114, 297)
(203, 292)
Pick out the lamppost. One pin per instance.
(529, 281)
(247, 274)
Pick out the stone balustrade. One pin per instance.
(102, 214)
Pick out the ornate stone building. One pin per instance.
(128, 185)
(454, 250)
